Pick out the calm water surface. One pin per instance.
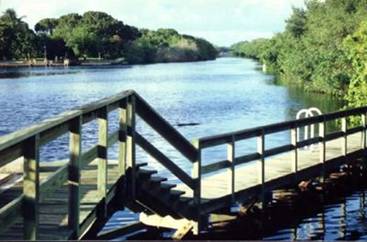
(220, 96)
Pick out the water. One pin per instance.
(220, 96)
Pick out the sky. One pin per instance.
(222, 22)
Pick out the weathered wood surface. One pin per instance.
(53, 209)
(247, 175)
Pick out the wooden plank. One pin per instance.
(75, 147)
(277, 150)
(19, 136)
(162, 159)
(90, 110)
(231, 150)
(247, 158)
(294, 141)
(102, 152)
(214, 167)
(196, 176)
(88, 156)
(53, 133)
(130, 146)
(261, 165)
(354, 130)
(31, 188)
(122, 137)
(159, 124)
(344, 144)
(54, 181)
(10, 154)
(10, 213)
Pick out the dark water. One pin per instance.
(219, 96)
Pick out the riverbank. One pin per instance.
(94, 63)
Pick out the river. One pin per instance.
(218, 96)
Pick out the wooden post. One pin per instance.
(364, 139)
(261, 165)
(196, 176)
(122, 137)
(322, 134)
(344, 141)
(31, 188)
(231, 169)
(75, 149)
(102, 151)
(130, 146)
(294, 135)
(322, 148)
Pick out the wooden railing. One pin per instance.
(260, 133)
(27, 143)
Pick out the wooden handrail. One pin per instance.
(221, 139)
(159, 124)
(162, 159)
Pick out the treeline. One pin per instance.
(167, 45)
(96, 35)
(324, 48)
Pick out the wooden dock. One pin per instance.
(73, 199)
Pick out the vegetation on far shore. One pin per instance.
(323, 48)
(96, 35)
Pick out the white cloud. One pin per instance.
(210, 19)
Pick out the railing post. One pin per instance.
(130, 146)
(75, 149)
(294, 135)
(102, 151)
(196, 176)
(261, 164)
(344, 141)
(364, 139)
(31, 188)
(322, 146)
(231, 169)
(122, 137)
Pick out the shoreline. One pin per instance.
(15, 64)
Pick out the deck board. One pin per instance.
(54, 208)
(246, 175)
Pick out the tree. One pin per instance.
(356, 47)
(16, 39)
(296, 24)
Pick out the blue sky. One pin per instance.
(223, 22)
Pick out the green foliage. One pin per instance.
(356, 48)
(96, 34)
(167, 45)
(310, 52)
(16, 39)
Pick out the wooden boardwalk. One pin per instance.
(218, 184)
(73, 199)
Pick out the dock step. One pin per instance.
(176, 193)
(146, 173)
(158, 179)
(167, 186)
